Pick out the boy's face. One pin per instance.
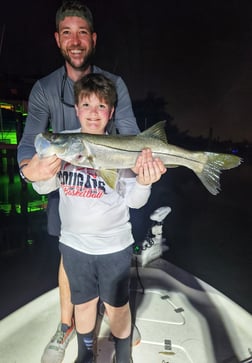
(94, 114)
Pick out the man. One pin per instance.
(51, 105)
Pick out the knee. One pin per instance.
(89, 305)
(120, 320)
(117, 311)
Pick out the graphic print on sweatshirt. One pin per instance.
(81, 182)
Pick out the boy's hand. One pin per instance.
(148, 169)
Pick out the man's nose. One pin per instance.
(75, 38)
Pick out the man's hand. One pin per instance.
(38, 169)
(148, 169)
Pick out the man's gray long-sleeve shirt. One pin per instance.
(47, 111)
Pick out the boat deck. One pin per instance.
(181, 319)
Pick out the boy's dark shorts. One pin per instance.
(90, 276)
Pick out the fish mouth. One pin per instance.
(43, 146)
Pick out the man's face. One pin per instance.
(76, 42)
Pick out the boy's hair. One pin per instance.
(98, 84)
(74, 8)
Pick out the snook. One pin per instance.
(107, 153)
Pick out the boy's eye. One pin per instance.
(65, 32)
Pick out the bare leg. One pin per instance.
(120, 320)
(66, 306)
(85, 319)
(85, 316)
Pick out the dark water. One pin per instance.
(209, 236)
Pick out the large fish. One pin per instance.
(108, 153)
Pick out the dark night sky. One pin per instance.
(196, 55)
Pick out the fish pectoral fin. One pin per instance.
(109, 176)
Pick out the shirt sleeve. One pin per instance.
(36, 122)
(124, 118)
(138, 195)
(135, 195)
(46, 186)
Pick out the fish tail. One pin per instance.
(210, 175)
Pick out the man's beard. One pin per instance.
(86, 61)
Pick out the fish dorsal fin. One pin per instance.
(156, 131)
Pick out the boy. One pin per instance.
(96, 238)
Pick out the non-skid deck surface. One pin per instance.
(180, 320)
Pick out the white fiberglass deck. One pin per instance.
(181, 319)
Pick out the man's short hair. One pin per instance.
(74, 8)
